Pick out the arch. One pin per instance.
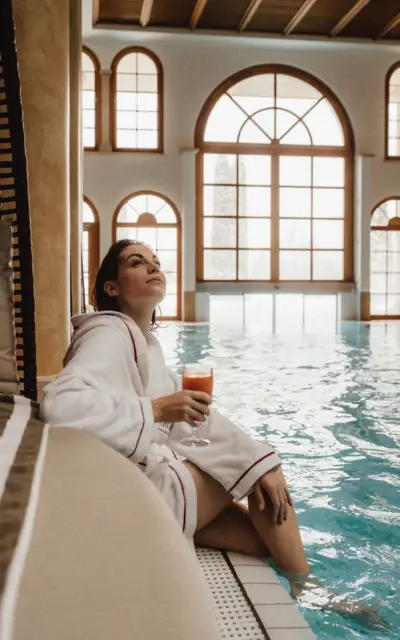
(91, 102)
(153, 218)
(90, 248)
(137, 117)
(279, 207)
(385, 259)
(392, 112)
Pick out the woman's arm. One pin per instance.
(95, 393)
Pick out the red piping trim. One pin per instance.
(184, 497)
(249, 469)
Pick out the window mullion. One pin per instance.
(275, 217)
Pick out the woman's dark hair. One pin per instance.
(109, 271)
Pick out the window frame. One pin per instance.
(93, 229)
(177, 226)
(113, 100)
(387, 229)
(389, 75)
(346, 152)
(97, 90)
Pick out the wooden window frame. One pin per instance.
(113, 100)
(93, 228)
(177, 226)
(275, 151)
(97, 91)
(387, 229)
(389, 75)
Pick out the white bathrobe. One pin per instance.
(111, 374)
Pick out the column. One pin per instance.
(42, 34)
(189, 233)
(362, 221)
(76, 194)
(105, 97)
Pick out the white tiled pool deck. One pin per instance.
(280, 616)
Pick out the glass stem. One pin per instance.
(195, 433)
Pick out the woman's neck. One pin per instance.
(140, 317)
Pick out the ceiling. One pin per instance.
(371, 19)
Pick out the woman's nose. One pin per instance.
(153, 268)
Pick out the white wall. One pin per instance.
(195, 64)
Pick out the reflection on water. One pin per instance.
(330, 405)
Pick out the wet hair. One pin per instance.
(109, 271)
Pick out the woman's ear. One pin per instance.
(111, 289)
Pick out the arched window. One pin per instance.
(90, 249)
(90, 102)
(393, 112)
(274, 180)
(154, 220)
(385, 260)
(137, 92)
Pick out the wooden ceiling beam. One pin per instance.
(248, 15)
(388, 28)
(197, 13)
(298, 16)
(145, 14)
(348, 17)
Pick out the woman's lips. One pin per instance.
(158, 280)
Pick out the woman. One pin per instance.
(116, 385)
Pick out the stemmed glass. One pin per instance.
(197, 377)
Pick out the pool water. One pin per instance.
(329, 403)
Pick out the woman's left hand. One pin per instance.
(274, 484)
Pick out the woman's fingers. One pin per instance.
(289, 497)
(200, 396)
(260, 497)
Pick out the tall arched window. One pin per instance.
(90, 100)
(90, 249)
(393, 112)
(274, 180)
(153, 219)
(385, 260)
(137, 95)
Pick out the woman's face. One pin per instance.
(140, 282)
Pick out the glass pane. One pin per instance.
(148, 235)
(128, 63)
(378, 240)
(219, 201)
(87, 213)
(168, 260)
(126, 82)
(126, 139)
(226, 310)
(255, 170)
(89, 138)
(145, 64)
(255, 201)
(378, 262)
(328, 172)
(88, 100)
(254, 233)
(378, 305)
(219, 169)
(284, 121)
(172, 282)
(147, 83)
(295, 95)
(224, 121)
(147, 139)
(328, 265)
(219, 265)
(266, 120)
(295, 171)
(147, 121)
(165, 215)
(85, 241)
(393, 241)
(219, 232)
(128, 213)
(393, 262)
(294, 265)
(393, 283)
(129, 233)
(298, 135)
(328, 203)
(294, 234)
(147, 101)
(251, 133)
(289, 312)
(254, 265)
(127, 120)
(393, 305)
(253, 88)
(328, 234)
(88, 81)
(169, 306)
(87, 62)
(167, 239)
(379, 218)
(294, 203)
(378, 283)
(324, 125)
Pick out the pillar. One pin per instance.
(42, 35)
(362, 221)
(76, 194)
(189, 233)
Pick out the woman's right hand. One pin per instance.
(184, 406)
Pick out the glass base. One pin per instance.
(195, 442)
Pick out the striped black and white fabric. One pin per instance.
(23, 440)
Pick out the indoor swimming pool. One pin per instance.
(329, 403)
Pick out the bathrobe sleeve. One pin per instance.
(233, 457)
(94, 392)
